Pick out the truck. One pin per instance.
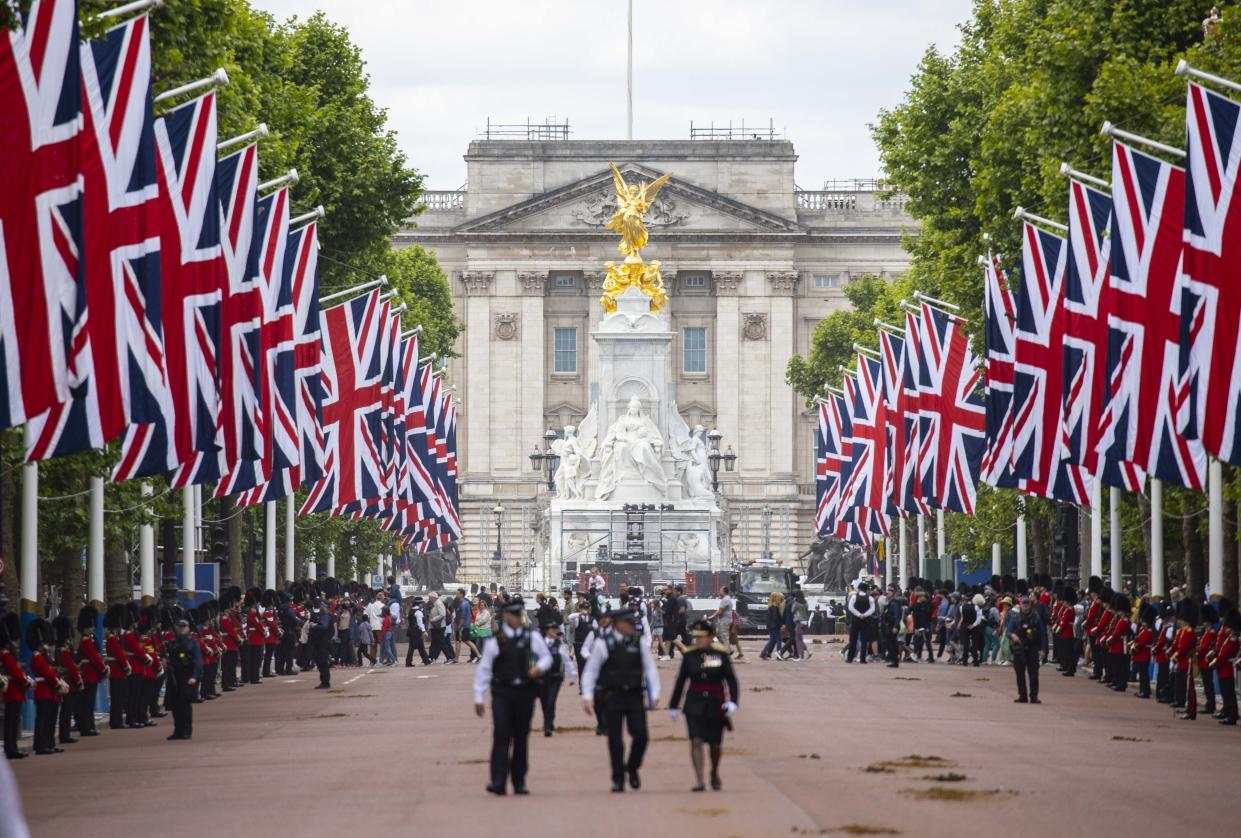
(752, 585)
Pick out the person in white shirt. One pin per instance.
(621, 667)
(513, 660)
(861, 608)
(375, 616)
(597, 581)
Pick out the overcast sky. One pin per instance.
(821, 69)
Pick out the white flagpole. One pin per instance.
(188, 538)
(1113, 538)
(354, 289)
(1156, 583)
(306, 218)
(312, 566)
(269, 553)
(903, 537)
(921, 546)
(1109, 130)
(146, 554)
(217, 79)
(1096, 528)
(94, 554)
(1023, 561)
(289, 178)
(939, 539)
(331, 560)
(996, 561)
(629, 78)
(136, 6)
(259, 133)
(290, 567)
(1215, 527)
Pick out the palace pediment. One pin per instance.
(585, 206)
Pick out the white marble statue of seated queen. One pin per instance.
(631, 451)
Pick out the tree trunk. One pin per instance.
(247, 551)
(1194, 565)
(72, 582)
(1038, 544)
(8, 524)
(116, 578)
(235, 568)
(1230, 549)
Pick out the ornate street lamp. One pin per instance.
(766, 532)
(497, 513)
(546, 459)
(715, 457)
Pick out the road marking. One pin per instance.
(356, 677)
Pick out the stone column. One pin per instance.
(728, 356)
(782, 331)
(478, 376)
(533, 365)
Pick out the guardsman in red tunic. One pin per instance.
(1141, 649)
(1184, 648)
(1093, 612)
(93, 669)
(1206, 644)
(1223, 661)
(119, 669)
(232, 639)
(256, 634)
(16, 682)
(151, 639)
(1066, 651)
(1118, 636)
(272, 639)
(67, 668)
(48, 687)
(200, 618)
(1098, 637)
(140, 664)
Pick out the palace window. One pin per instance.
(827, 281)
(695, 350)
(696, 280)
(565, 280)
(565, 346)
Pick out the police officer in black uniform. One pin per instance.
(553, 678)
(707, 668)
(185, 670)
(513, 661)
(320, 637)
(622, 670)
(1026, 633)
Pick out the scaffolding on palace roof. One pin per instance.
(547, 130)
(734, 131)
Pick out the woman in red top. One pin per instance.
(47, 686)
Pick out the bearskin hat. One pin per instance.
(132, 612)
(329, 587)
(1233, 620)
(297, 592)
(1023, 587)
(1147, 614)
(1187, 611)
(10, 628)
(114, 617)
(1106, 596)
(62, 629)
(39, 633)
(948, 586)
(1209, 615)
(1120, 603)
(88, 616)
(251, 597)
(1069, 595)
(1094, 585)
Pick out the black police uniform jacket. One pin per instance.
(706, 673)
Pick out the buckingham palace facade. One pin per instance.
(751, 262)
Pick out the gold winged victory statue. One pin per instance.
(632, 202)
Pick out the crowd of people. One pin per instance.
(1177, 643)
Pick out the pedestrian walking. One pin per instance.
(706, 671)
(415, 631)
(553, 678)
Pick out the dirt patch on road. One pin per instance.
(324, 716)
(849, 829)
(954, 795)
(961, 695)
(1129, 739)
(950, 777)
(710, 812)
(889, 766)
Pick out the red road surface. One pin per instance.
(400, 748)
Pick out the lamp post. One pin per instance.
(497, 513)
(546, 459)
(715, 457)
(766, 531)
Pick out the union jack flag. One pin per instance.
(1211, 303)
(865, 490)
(274, 416)
(118, 346)
(194, 275)
(445, 464)
(1085, 336)
(834, 457)
(854, 523)
(1038, 389)
(40, 209)
(1146, 388)
(1001, 339)
(909, 489)
(952, 413)
(353, 404)
(241, 323)
(893, 360)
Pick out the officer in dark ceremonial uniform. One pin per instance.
(706, 668)
(320, 637)
(513, 661)
(621, 668)
(185, 670)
